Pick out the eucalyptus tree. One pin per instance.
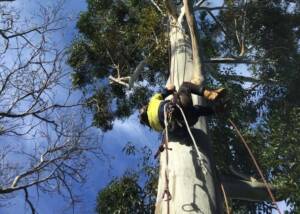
(126, 48)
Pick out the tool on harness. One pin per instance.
(173, 113)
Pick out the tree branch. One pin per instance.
(137, 71)
(158, 8)
(171, 9)
(218, 22)
(240, 41)
(181, 16)
(13, 189)
(28, 201)
(199, 3)
(118, 80)
(242, 78)
(211, 8)
(230, 60)
(246, 190)
(198, 56)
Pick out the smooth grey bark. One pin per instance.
(192, 190)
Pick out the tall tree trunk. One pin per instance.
(192, 188)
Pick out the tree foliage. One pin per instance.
(133, 192)
(115, 36)
(271, 40)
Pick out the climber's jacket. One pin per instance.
(155, 110)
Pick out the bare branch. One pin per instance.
(115, 66)
(230, 60)
(73, 201)
(210, 8)
(20, 34)
(158, 8)
(35, 113)
(181, 16)
(199, 3)
(242, 52)
(242, 78)
(137, 72)
(218, 22)
(28, 201)
(118, 80)
(171, 9)
(13, 189)
(237, 34)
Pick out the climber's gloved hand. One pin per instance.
(170, 87)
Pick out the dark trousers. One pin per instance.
(192, 112)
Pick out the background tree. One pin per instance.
(43, 145)
(118, 38)
(135, 191)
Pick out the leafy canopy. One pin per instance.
(135, 191)
(115, 36)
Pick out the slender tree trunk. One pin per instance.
(193, 190)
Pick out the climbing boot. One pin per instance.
(213, 95)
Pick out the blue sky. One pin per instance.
(99, 172)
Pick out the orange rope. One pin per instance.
(256, 165)
(225, 199)
(166, 140)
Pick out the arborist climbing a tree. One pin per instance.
(152, 114)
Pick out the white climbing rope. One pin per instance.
(201, 159)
